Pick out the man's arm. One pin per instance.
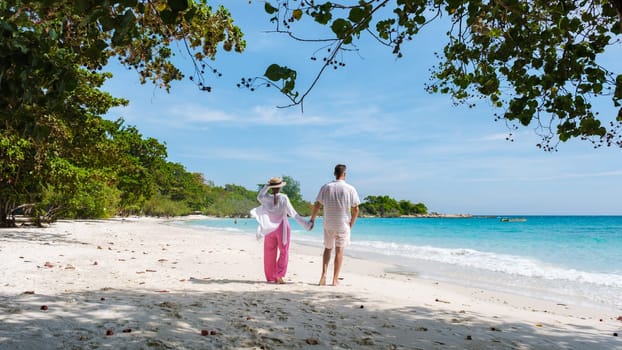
(316, 208)
(355, 214)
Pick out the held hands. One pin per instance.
(310, 225)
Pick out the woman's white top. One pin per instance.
(270, 215)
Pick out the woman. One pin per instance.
(273, 224)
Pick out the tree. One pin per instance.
(139, 159)
(49, 149)
(234, 201)
(292, 190)
(383, 206)
(62, 35)
(52, 54)
(420, 208)
(176, 183)
(536, 61)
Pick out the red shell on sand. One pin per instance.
(109, 332)
(44, 307)
(619, 318)
(204, 332)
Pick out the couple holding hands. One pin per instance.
(340, 201)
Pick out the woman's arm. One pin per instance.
(291, 212)
(262, 195)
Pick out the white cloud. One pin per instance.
(494, 137)
(200, 115)
(232, 154)
(587, 175)
(268, 115)
(191, 116)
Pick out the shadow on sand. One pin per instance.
(260, 320)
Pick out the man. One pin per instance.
(341, 208)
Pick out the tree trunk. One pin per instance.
(5, 210)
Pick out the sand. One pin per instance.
(143, 283)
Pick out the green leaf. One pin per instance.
(357, 14)
(128, 20)
(297, 14)
(615, 28)
(341, 28)
(124, 27)
(288, 87)
(128, 3)
(53, 34)
(324, 13)
(269, 8)
(82, 5)
(95, 50)
(591, 126)
(107, 23)
(178, 5)
(275, 72)
(189, 15)
(618, 92)
(168, 16)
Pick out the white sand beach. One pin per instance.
(142, 283)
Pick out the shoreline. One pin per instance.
(166, 284)
(502, 278)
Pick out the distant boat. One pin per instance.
(513, 219)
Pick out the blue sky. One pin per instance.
(374, 116)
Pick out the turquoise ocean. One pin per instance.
(566, 259)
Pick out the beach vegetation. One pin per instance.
(385, 206)
(61, 159)
(162, 206)
(231, 201)
(293, 192)
(541, 65)
(58, 154)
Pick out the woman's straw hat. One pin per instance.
(276, 182)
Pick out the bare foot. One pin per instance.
(335, 283)
(322, 281)
(280, 280)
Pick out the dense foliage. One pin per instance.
(539, 62)
(292, 190)
(59, 157)
(55, 148)
(385, 206)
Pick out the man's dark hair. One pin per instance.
(340, 169)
